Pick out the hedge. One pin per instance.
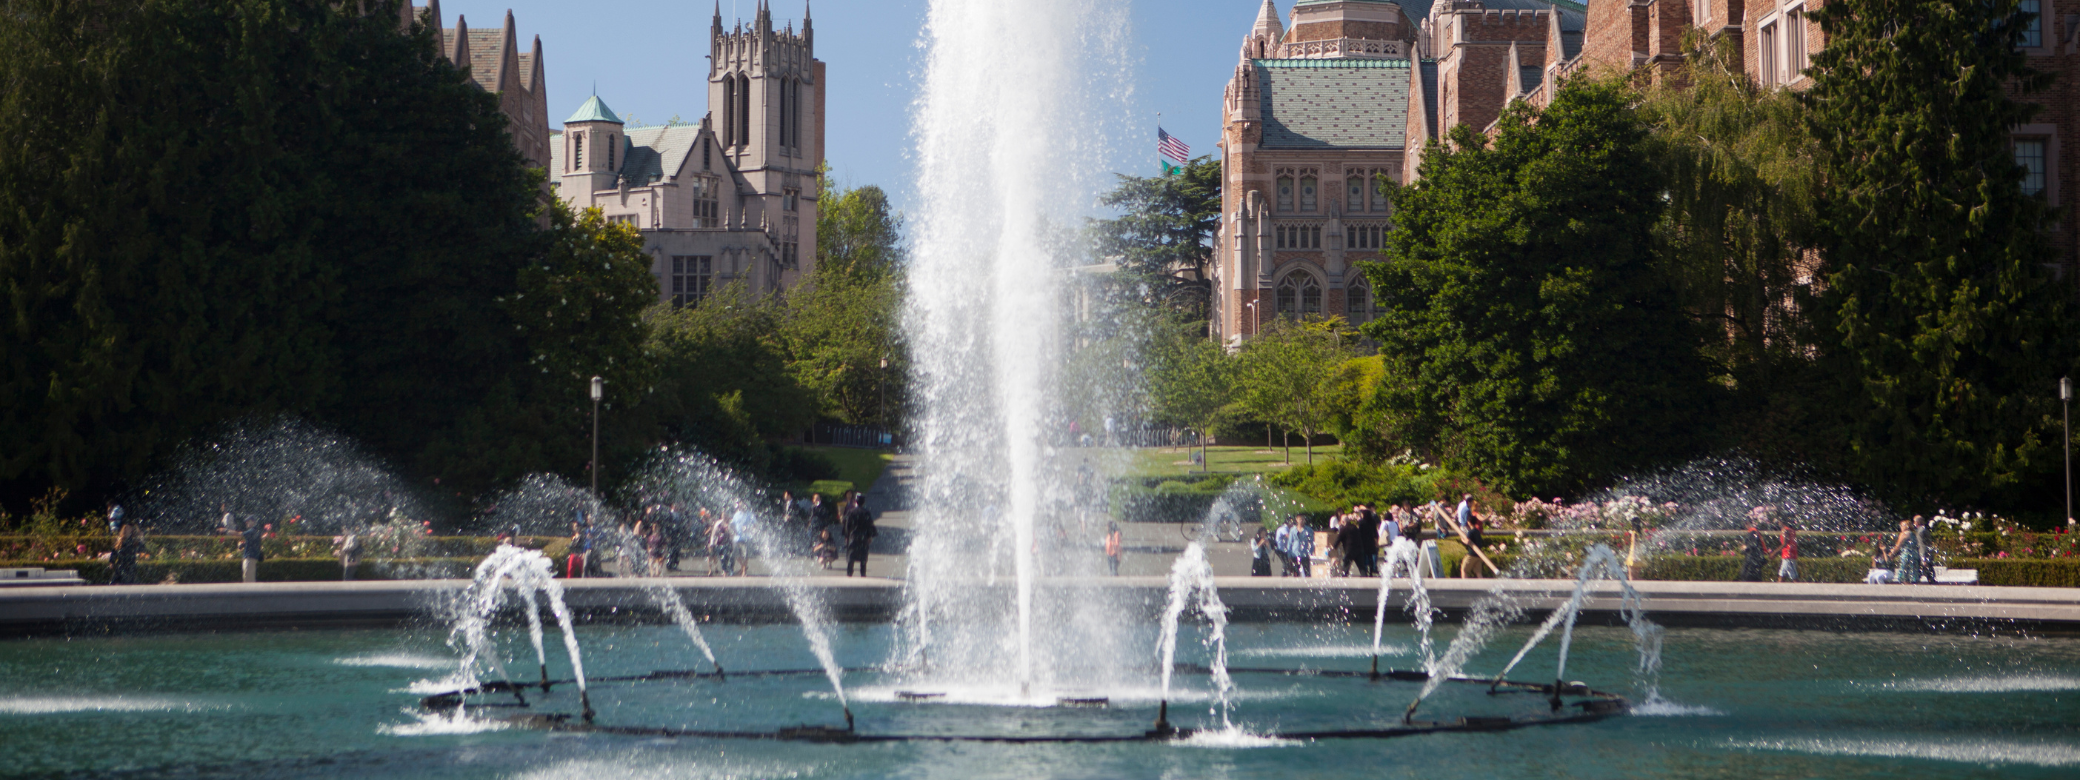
(2024, 572)
(274, 570)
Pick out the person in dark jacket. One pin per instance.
(1753, 558)
(1365, 548)
(859, 535)
(123, 559)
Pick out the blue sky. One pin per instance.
(648, 58)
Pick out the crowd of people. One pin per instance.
(813, 528)
(1354, 540)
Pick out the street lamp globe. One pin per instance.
(598, 388)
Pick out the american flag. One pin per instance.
(1168, 146)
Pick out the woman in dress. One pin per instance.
(1906, 550)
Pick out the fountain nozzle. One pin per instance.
(1375, 668)
(1558, 685)
(545, 677)
(719, 676)
(585, 702)
(848, 719)
(1163, 729)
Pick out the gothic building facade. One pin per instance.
(1347, 90)
(729, 199)
(496, 64)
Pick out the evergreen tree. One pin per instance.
(1164, 235)
(1939, 318)
(235, 208)
(1530, 337)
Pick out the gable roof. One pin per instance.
(657, 152)
(1333, 104)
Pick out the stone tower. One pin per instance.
(765, 95)
(594, 135)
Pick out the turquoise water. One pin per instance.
(1745, 704)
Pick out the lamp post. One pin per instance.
(882, 386)
(2065, 398)
(598, 390)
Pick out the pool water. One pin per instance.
(1735, 704)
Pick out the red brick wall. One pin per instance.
(1608, 41)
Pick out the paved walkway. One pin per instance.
(1151, 547)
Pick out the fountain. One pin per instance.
(1008, 145)
(529, 572)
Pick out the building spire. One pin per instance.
(717, 27)
(1267, 26)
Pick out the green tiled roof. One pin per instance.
(1333, 104)
(594, 110)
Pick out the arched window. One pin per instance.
(786, 89)
(1299, 294)
(1357, 303)
(1285, 193)
(1355, 198)
(611, 149)
(1307, 190)
(578, 150)
(729, 110)
(1379, 191)
(743, 110)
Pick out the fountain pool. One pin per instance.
(346, 704)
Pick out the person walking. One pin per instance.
(1787, 571)
(1303, 547)
(577, 566)
(1477, 540)
(1260, 554)
(1926, 546)
(722, 547)
(1367, 542)
(859, 535)
(1112, 546)
(249, 549)
(1752, 557)
(349, 553)
(1339, 564)
(122, 561)
(1282, 542)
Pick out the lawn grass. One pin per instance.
(1174, 461)
(857, 468)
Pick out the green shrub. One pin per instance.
(2024, 572)
(1727, 568)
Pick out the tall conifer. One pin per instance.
(1937, 312)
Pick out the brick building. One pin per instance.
(1353, 89)
(1314, 116)
(731, 198)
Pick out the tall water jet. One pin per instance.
(1016, 97)
(1402, 555)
